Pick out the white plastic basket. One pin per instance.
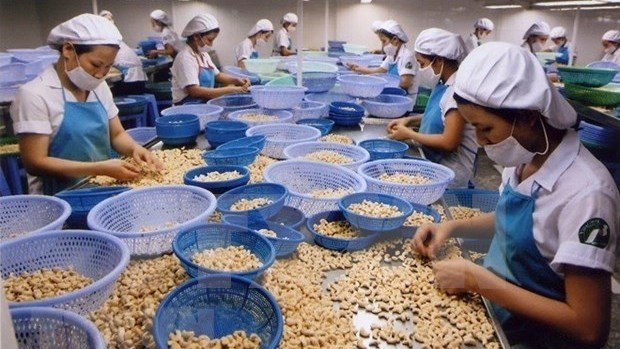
(357, 154)
(280, 136)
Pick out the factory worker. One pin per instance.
(536, 37)
(561, 46)
(445, 136)
(282, 45)
(611, 46)
(376, 28)
(66, 119)
(130, 64)
(482, 28)
(257, 37)
(193, 73)
(399, 59)
(162, 24)
(555, 227)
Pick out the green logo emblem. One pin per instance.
(594, 232)
(409, 65)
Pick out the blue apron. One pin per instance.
(206, 78)
(431, 121)
(393, 69)
(563, 59)
(83, 135)
(513, 255)
(254, 55)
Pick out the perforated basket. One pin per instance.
(261, 65)
(334, 243)
(233, 102)
(242, 73)
(409, 231)
(145, 218)
(311, 66)
(388, 106)
(357, 154)
(280, 116)
(328, 97)
(317, 82)
(439, 177)
(83, 200)
(245, 142)
(240, 156)
(287, 216)
(27, 214)
(276, 193)
(217, 187)
(142, 135)
(277, 97)
(280, 136)
(302, 177)
(608, 96)
(216, 306)
(592, 77)
(310, 110)
(39, 327)
(384, 148)
(284, 243)
(99, 256)
(484, 200)
(214, 235)
(361, 86)
(323, 125)
(370, 223)
(205, 112)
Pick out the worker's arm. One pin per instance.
(406, 81)
(241, 63)
(226, 79)
(448, 141)
(206, 93)
(366, 70)
(168, 50)
(284, 51)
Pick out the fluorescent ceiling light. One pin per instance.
(501, 7)
(609, 7)
(568, 3)
(365, 1)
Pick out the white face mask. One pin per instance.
(390, 50)
(537, 47)
(158, 28)
(81, 78)
(261, 42)
(291, 29)
(609, 50)
(428, 78)
(510, 153)
(205, 47)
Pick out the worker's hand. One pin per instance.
(455, 275)
(152, 54)
(429, 238)
(238, 89)
(400, 132)
(397, 122)
(243, 82)
(119, 169)
(352, 66)
(143, 156)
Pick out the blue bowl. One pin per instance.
(328, 97)
(334, 243)
(286, 239)
(177, 129)
(82, 200)
(277, 193)
(234, 102)
(220, 132)
(323, 125)
(408, 231)
(317, 82)
(217, 187)
(245, 142)
(384, 148)
(345, 121)
(290, 217)
(242, 156)
(375, 224)
(396, 91)
(346, 108)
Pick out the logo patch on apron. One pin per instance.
(409, 65)
(594, 232)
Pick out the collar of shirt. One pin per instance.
(50, 77)
(450, 80)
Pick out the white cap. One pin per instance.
(539, 28)
(484, 23)
(612, 35)
(261, 25)
(376, 25)
(85, 29)
(501, 75)
(392, 27)
(161, 16)
(200, 24)
(290, 18)
(557, 32)
(105, 13)
(439, 42)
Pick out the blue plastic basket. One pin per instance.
(328, 97)
(310, 110)
(275, 192)
(277, 97)
(83, 200)
(233, 102)
(323, 125)
(126, 214)
(362, 86)
(346, 109)
(409, 231)
(100, 256)
(177, 129)
(242, 73)
(384, 148)
(147, 46)
(38, 327)
(484, 200)
(290, 217)
(388, 106)
(368, 223)
(142, 135)
(280, 136)
(281, 115)
(357, 154)
(205, 112)
(345, 120)
(394, 91)
(439, 178)
(218, 305)
(231, 156)
(317, 82)
(286, 241)
(217, 187)
(302, 177)
(607, 65)
(31, 214)
(215, 235)
(220, 132)
(130, 106)
(245, 142)
(338, 244)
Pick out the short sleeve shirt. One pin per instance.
(407, 65)
(282, 39)
(244, 50)
(185, 70)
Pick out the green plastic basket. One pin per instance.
(608, 96)
(586, 76)
(161, 90)
(282, 81)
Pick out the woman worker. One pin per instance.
(257, 37)
(282, 45)
(193, 73)
(445, 136)
(536, 37)
(611, 46)
(398, 61)
(376, 28)
(482, 28)
(66, 119)
(162, 23)
(561, 46)
(555, 227)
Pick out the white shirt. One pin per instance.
(127, 58)
(244, 50)
(574, 189)
(185, 70)
(407, 65)
(462, 160)
(612, 57)
(39, 108)
(471, 43)
(282, 39)
(169, 36)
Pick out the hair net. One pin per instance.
(538, 28)
(500, 75)
(376, 25)
(484, 23)
(612, 35)
(557, 32)
(161, 16)
(392, 27)
(85, 29)
(439, 42)
(261, 25)
(200, 24)
(290, 18)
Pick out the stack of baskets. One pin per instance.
(591, 86)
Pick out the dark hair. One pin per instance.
(508, 114)
(216, 31)
(453, 62)
(80, 48)
(386, 34)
